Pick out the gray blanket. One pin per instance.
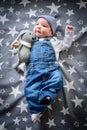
(69, 111)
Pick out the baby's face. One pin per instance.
(42, 28)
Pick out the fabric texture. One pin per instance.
(69, 111)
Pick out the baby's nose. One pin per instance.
(39, 26)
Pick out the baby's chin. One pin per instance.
(39, 35)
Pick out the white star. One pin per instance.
(84, 44)
(51, 123)
(1, 101)
(2, 91)
(11, 10)
(85, 94)
(4, 0)
(82, 4)
(38, 118)
(2, 126)
(24, 2)
(70, 57)
(77, 101)
(63, 122)
(58, 23)
(12, 80)
(15, 91)
(28, 128)
(24, 119)
(7, 105)
(22, 78)
(12, 51)
(69, 85)
(76, 124)
(12, 31)
(1, 76)
(76, 44)
(85, 124)
(81, 80)
(26, 25)
(84, 29)
(80, 22)
(85, 71)
(71, 70)
(33, 22)
(80, 63)
(18, 20)
(16, 121)
(3, 19)
(50, 107)
(1, 65)
(23, 107)
(31, 13)
(1, 41)
(53, 8)
(8, 114)
(7, 43)
(61, 63)
(65, 111)
(68, 21)
(70, 12)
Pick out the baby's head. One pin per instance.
(45, 25)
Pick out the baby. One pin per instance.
(44, 79)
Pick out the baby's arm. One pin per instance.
(69, 33)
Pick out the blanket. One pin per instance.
(69, 111)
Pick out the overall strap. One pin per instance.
(54, 42)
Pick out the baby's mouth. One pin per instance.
(38, 32)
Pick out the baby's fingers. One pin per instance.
(15, 43)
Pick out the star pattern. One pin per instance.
(2, 126)
(53, 8)
(23, 107)
(69, 86)
(71, 70)
(15, 91)
(77, 101)
(31, 13)
(71, 103)
(65, 111)
(69, 12)
(81, 4)
(16, 121)
(25, 2)
(3, 19)
(1, 101)
(12, 31)
(51, 123)
(11, 10)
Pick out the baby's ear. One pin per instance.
(51, 33)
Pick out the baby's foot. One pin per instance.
(46, 100)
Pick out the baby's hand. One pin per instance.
(15, 43)
(69, 27)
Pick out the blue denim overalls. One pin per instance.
(44, 76)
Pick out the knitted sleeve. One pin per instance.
(67, 41)
(61, 45)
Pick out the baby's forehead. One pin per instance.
(42, 20)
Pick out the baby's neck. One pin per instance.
(41, 39)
